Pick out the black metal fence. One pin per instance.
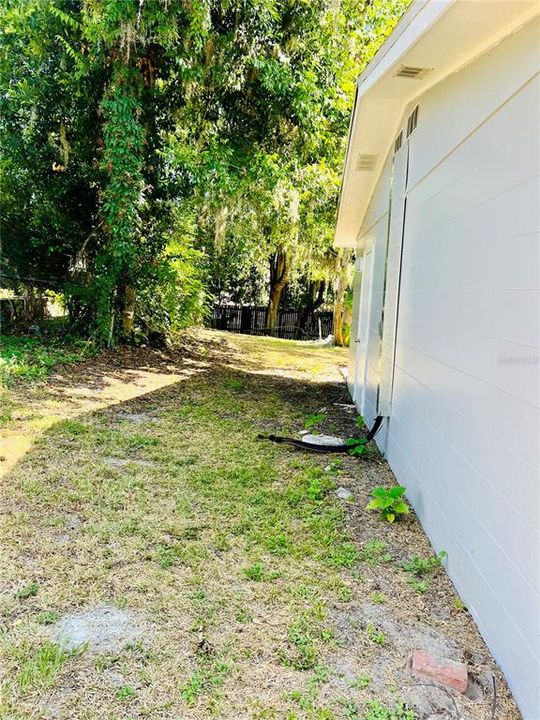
(251, 320)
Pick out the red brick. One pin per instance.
(450, 673)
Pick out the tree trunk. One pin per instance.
(310, 307)
(128, 301)
(279, 270)
(339, 295)
(34, 311)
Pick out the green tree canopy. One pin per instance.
(153, 148)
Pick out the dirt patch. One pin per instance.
(123, 462)
(102, 629)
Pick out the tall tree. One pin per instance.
(123, 119)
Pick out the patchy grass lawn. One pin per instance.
(252, 589)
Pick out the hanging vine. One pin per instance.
(123, 195)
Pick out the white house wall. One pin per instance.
(466, 99)
(462, 436)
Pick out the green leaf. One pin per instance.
(390, 517)
(401, 508)
(374, 505)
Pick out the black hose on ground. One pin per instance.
(313, 447)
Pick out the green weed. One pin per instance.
(362, 682)
(301, 638)
(314, 419)
(350, 709)
(234, 384)
(28, 591)
(38, 670)
(47, 617)
(254, 572)
(389, 502)
(422, 566)
(373, 553)
(377, 711)
(210, 675)
(357, 447)
(458, 604)
(419, 586)
(126, 692)
(376, 636)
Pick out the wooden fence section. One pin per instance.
(251, 320)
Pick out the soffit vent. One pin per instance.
(414, 73)
(366, 162)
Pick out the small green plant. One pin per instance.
(376, 636)
(361, 682)
(211, 674)
(47, 617)
(301, 638)
(126, 692)
(72, 427)
(193, 688)
(377, 711)
(417, 567)
(422, 566)
(306, 699)
(419, 586)
(356, 446)
(318, 488)
(314, 419)
(28, 591)
(350, 709)
(141, 441)
(458, 604)
(378, 597)
(360, 422)
(334, 466)
(39, 670)
(373, 553)
(389, 502)
(254, 572)
(257, 573)
(166, 556)
(234, 384)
